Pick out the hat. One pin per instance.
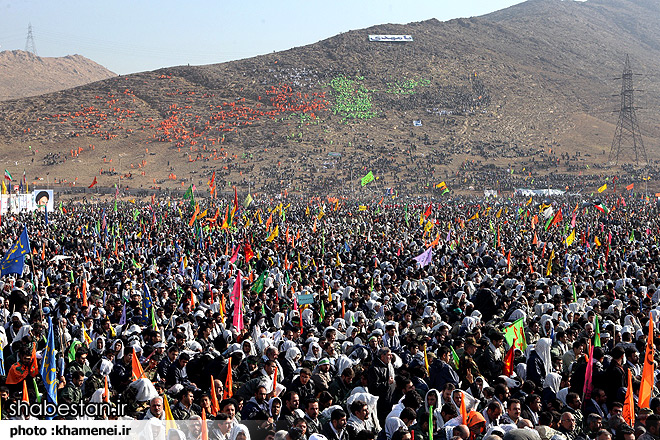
(324, 361)
(471, 341)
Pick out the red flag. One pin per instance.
(557, 218)
(508, 361)
(428, 211)
(630, 187)
(248, 253)
(94, 182)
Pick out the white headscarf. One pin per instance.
(552, 381)
(238, 428)
(542, 348)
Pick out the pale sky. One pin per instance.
(128, 36)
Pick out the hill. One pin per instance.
(24, 74)
(519, 98)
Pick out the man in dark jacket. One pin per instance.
(380, 380)
(440, 372)
(175, 372)
(340, 387)
(491, 360)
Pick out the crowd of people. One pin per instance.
(328, 320)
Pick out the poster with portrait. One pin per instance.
(43, 198)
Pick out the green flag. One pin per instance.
(368, 178)
(632, 236)
(431, 422)
(455, 358)
(189, 193)
(258, 285)
(322, 312)
(514, 335)
(597, 328)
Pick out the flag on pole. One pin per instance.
(14, 259)
(94, 182)
(368, 178)
(137, 371)
(7, 175)
(602, 188)
(628, 413)
(49, 366)
(588, 384)
(648, 378)
(229, 382)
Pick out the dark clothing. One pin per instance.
(305, 392)
(535, 369)
(378, 380)
(339, 391)
(175, 375)
(614, 379)
(441, 373)
(488, 366)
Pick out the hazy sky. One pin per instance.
(129, 36)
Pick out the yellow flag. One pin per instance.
(362, 208)
(4, 187)
(169, 419)
(338, 263)
(548, 271)
(602, 188)
(329, 293)
(597, 241)
(203, 214)
(571, 238)
(499, 213)
(273, 235)
(474, 217)
(428, 226)
(529, 202)
(88, 340)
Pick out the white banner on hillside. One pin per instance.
(395, 38)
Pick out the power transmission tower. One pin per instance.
(627, 131)
(29, 42)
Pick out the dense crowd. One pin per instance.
(323, 319)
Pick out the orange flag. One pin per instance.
(215, 406)
(106, 391)
(138, 372)
(646, 387)
(26, 397)
(275, 381)
(205, 428)
(629, 403)
(229, 383)
(463, 410)
(83, 292)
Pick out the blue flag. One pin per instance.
(2, 363)
(14, 259)
(49, 366)
(146, 305)
(46, 213)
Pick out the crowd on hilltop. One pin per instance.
(324, 319)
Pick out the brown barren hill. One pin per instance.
(24, 74)
(524, 97)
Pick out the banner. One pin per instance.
(391, 38)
